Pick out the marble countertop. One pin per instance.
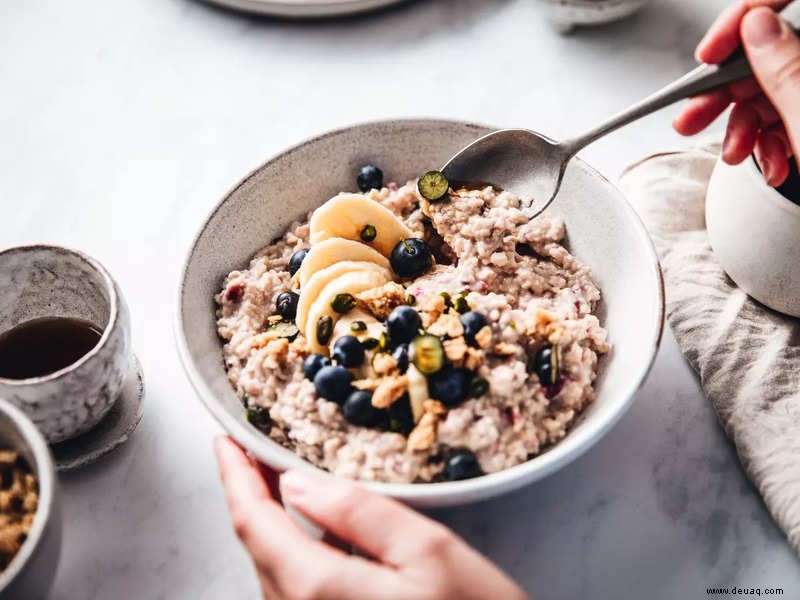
(124, 122)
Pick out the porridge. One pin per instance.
(414, 333)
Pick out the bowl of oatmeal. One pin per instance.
(421, 336)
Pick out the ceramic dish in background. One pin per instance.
(567, 14)
(306, 8)
(50, 281)
(741, 207)
(30, 573)
(602, 231)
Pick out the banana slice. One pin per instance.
(417, 392)
(350, 283)
(316, 283)
(346, 215)
(336, 250)
(374, 328)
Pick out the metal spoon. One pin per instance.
(531, 165)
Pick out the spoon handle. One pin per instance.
(702, 79)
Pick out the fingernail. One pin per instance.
(761, 27)
(295, 483)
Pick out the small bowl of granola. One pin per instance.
(421, 336)
(30, 513)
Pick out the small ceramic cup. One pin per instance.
(51, 281)
(755, 233)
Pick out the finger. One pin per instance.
(770, 153)
(774, 53)
(741, 135)
(744, 89)
(260, 522)
(385, 529)
(723, 36)
(766, 112)
(701, 111)
(287, 559)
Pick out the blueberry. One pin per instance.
(348, 351)
(400, 354)
(259, 418)
(287, 305)
(358, 410)
(314, 363)
(410, 258)
(545, 365)
(333, 383)
(472, 322)
(369, 178)
(403, 324)
(401, 419)
(451, 386)
(296, 261)
(462, 465)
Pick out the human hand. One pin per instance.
(412, 556)
(766, 108)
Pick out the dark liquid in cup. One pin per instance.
(791, 188)
(43, 346)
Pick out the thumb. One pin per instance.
(774, 53)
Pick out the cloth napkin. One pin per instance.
(747, 356)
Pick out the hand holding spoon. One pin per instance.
(532, 166)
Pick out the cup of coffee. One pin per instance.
(65, 341)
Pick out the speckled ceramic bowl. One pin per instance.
(566, 14)
(50, 281)
(31, 572)
(603, 231)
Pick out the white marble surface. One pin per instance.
(123, 122)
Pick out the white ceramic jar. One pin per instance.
(755, 233)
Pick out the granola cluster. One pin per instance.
(19, 498)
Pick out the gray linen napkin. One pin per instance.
(747, 356)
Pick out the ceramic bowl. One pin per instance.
(311, 9)
(566, 14)
(30, 573)
(603, 231)
(755, 234)
(51, 281)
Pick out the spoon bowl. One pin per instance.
(531, 165)
(523, 162)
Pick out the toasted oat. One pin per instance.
(546, 325)
(366, 384)
(381, 301)
(423, 436)
(473, 359)
(484, 336)
(448, 324)
(455, 350)
(272, 319)
(384, 363)
(432, 308)
(505, 349)
(434, 407)
(389, 389)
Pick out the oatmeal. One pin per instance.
(390, 337)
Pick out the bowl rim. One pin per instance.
(427, 494)
(113, 312)
(46, 475)
(770, 192)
